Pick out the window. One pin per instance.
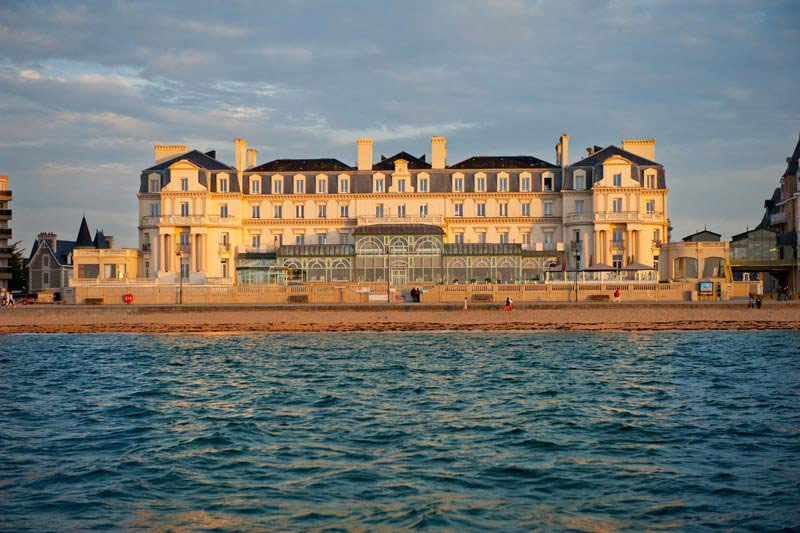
(278, 211)
(155, 185)
(184, 209)
(650, 181)
(147, 269)
(223, 268)
(616, 262)
(322, 186)
(344, 185)
(579, 206)
(580, 182)
(617, 180)
(184, 184)
(344, 238)
(379, 210)
(504, 238)
(616, 205)
(401, 185)
(423, 185)
(223, 185)
(548, 209)
(547, 183)
(299, 240)
(616, 235)
(45, 261)
(650, 206)
(481, 210)
(45, 279)
(401, 211)
(480, 184)
(223, 210)
(255, 186)
(548, 237)
(155, 210)
(256, 209)
(299, 185)
(299, 211)
(526, 238)
(277, 186)
(256, 241)
(459, 209)
(459, 238)
(225, 238)
(322, 238)
(458, 184)
(322, 211)
(379, 185)
(577, 236)
(423, 210)
(502, 184)
(655, 264)
(525, 184)
(482, 237)
(503, 209)
(526, 209)
(656, 235)
(344, 211)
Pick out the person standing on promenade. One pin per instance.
(465, 303)
(508, 304)
(616, 296)
(413, 293)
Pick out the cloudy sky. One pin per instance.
(86, 89)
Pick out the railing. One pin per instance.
(260, 249)
(624, 216)
(183, 248)
(579, 217)
(190, 220)
(5, 250)
(5, 212)
(224, 247)
(5, 231)
(430, 219)
(146, 247)
(544, 246)
(777, 218)
(575, 245)
(617, 245)
(5, 192)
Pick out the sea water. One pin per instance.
(458, 431)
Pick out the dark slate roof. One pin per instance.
(791, 168)
(316, 250)
(413, 162)
(398, 229)
(482, 249)
(703, 236)
(196, 157)
(62, 251)
(609, 151)
(502, 161)
(301, 165)
(84, 239)
(746, 234)
(770, 208)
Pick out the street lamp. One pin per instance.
(388, 257)
(180, 277)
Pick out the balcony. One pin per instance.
(190, 220)
(777, 218)
(5, 232)
(627, 216)
(576, 245)
(261, 249)
(5, 214)
(431, 219)
(617, 245)
(146, 247)
(6, 193)
(544, 246)
(579, 218)
(224, 247)
(182, 248)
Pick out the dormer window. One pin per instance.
(547, 182)
(617, 180)
(277, 185)
(480, 184)
(155, 185)
(401, 185)
(322, 185)
(223, 185)
(525, 184)
(580, 181)
(423, 185)
(255, 186)
(184, 184)
(502, 184)
(458, 184)
(299, 185)
(379, 184)
(344, 185)
(650, 181)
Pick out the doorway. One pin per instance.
(399, 276)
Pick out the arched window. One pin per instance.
(398, 245)
(481, 271)
(714, 267)
(340, 270)
(315, 270)
(685, 267)
(456, 270)
(369, 246)
(427, 246)
(506, 270)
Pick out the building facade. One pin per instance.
(5, 232)
(49, 265)
(401, 218)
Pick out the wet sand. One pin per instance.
(227, 319)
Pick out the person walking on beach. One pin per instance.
(616, 296)
(508, 304)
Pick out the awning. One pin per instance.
(638, 266)
(600, 267)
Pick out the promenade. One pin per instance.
(656, 316)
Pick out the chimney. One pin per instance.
(562, 151)
(642, 147)
(364, 154)
(49, 237)
(164, 152)
(110, 241)
(252, 154)
(240, 148)
(438, 152)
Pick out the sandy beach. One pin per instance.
(220, 319)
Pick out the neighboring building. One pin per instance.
(700, 256)
(703, 236)
(5, 233)
(49, 265)
(503, 218)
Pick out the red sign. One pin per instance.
(128, 298)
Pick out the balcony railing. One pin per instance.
(5, 232)
(260, 249)
(576, 218)
(5, 192)
(777, 218)
(183, 248)
(626, 216)
(617, 244)
(5, 213)
(146, 247)
(430, 219)
(575, 245)
(191, 220)
(544, 246)
(224, 247)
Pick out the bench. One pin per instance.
(598, 298)
(487, 297)
(93, 301)
(298, 298)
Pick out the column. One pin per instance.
(596, 246)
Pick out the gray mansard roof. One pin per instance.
(302, 165)
(387, 163)
(598, 157)
(206, 161)
(502, 161)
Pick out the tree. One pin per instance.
(19, 278)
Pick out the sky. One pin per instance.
(87, 89)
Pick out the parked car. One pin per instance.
(24, 298)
